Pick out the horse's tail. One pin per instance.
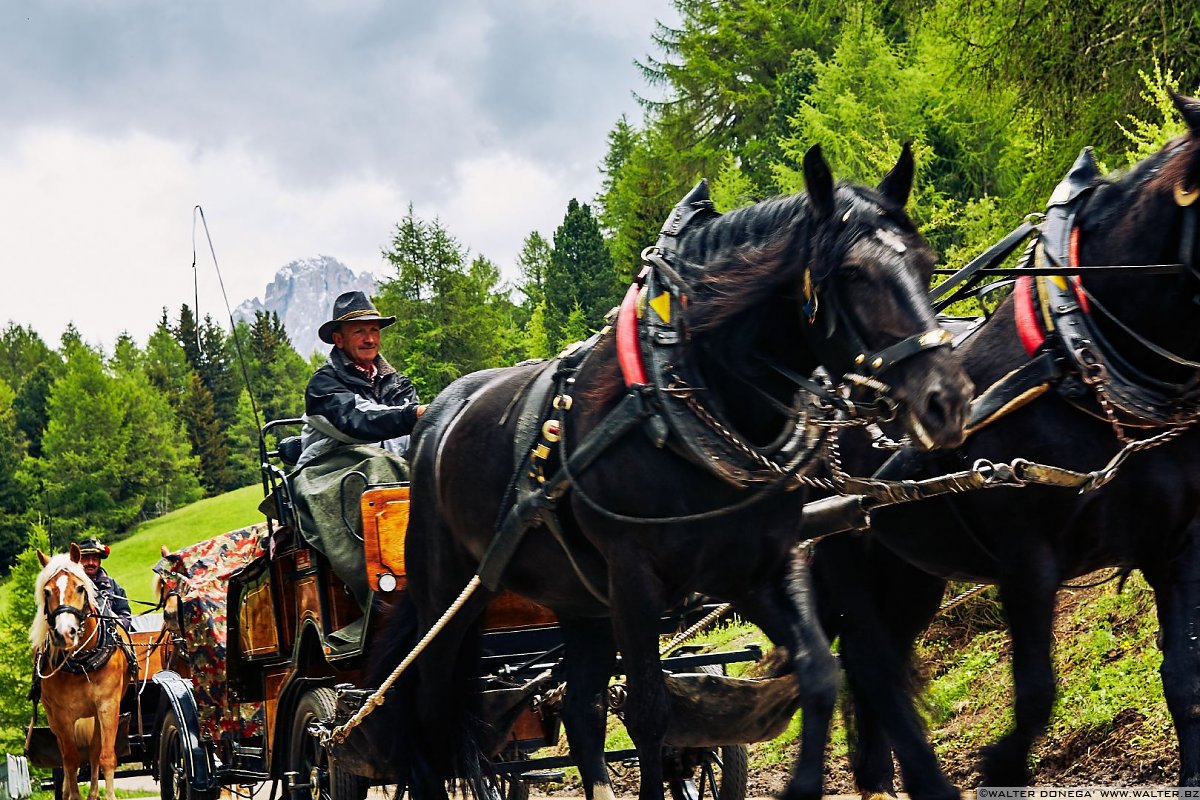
(424, 747)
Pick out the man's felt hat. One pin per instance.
(92, 545)
(352, 307)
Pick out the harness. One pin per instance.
(663, 398)
(84, 659)
(1057, 325)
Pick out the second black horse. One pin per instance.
(1122, 353)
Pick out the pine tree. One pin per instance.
(84, 447)
(21, 352)
(580, 274)
(14, 495)
(15, 655)
(207, 437)
(453, 316)
(166, 363)
(533, 262)
(160, 468)
(31, 406)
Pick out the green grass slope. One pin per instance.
(132, 558)
(1110, 724)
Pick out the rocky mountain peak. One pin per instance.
(302, 294)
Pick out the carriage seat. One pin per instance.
(289, 449)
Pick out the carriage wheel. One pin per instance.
(721, 775)
(310, 761)
(503, 786)
(173, 779)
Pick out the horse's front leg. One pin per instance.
(784, 609)
(95, 748)
(591, 655)
(104, 757)
(884, 604)
(63, 727)
(1028, 584)
(1177, 594)
(636, 598)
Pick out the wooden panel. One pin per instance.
(308, 600)
(274, 681)
(256, 621)
(385, 522)
(511, 610)
(283, 580)
(343, 608)
(529, 726)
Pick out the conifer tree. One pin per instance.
(453, 315)
(14, 495)
(15, 619)
(580, 274)
(166, 363)
(31, 405)
(207, 437)
(22, 351)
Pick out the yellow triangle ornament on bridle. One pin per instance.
(662, 306)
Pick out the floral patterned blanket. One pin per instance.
(200, 574)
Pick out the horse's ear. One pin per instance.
(819, 182)
(897, 184)
(1189, 108)
(165, 552)
(43, 558)
(75, 552)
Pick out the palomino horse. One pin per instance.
(668, 464)
(80, 660)
(1123, 352)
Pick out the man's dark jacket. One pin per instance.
(118, 601)
(341, 406)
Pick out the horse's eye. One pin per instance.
(854, 272)
(80, 589)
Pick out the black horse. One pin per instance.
(1120, 365)
(684, 432)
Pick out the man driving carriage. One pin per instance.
(357, 397)
(359, 412)
(91, 552)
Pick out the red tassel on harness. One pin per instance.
(629, 355)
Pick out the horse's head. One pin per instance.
(65, 598)
(1149, 214)
(169, 573)
(838, 278)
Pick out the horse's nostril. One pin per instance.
(937, 410)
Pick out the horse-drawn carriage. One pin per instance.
(261, 640)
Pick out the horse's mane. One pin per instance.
(738, 260)
(1120, 190)
(39, 631)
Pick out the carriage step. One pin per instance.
(542, 776)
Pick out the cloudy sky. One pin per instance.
(302, 127)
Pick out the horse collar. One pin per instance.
(651, 331)
(1053, 313)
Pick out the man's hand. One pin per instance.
(421, 410)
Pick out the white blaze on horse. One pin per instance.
(80, 660)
